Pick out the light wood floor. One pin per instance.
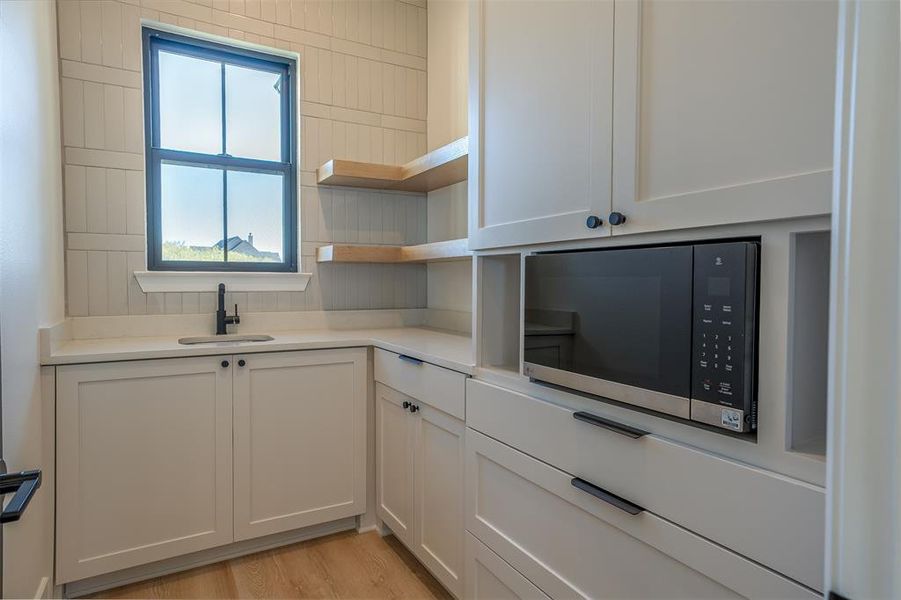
(343, 565)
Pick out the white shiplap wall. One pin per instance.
(449, 283)
(364, 97)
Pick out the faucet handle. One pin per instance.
(234, 319)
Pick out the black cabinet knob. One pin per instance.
(593, 222)
(406, 404)
(413, 408)
(224, 364)
(616, 218)
(241, 363)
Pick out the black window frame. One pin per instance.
(155, 40)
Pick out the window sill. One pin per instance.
(207, 281)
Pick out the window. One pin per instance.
(221, 157)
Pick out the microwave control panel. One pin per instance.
(724, 335)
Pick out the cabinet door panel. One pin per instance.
(144, 463)
(540, 120)
(572, 544)
(394, 462)
(722, 111)
(438, 495)
(300, 439)
(488, 576)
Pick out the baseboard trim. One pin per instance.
(204, 557)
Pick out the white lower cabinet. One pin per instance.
(146, 453)
(489, 576)
(300, 439)
(419, 479)
(580, 542)
(144, 462)
(394, 462)
(438, 494)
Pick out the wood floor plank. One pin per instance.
(211, 581)
(343, 565)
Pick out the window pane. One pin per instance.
(191, 207)
(190, 104)
(253, 113)
(254, 217)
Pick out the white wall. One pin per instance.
(364, 88)
(31, 267)
(448, 71)
(449, 284)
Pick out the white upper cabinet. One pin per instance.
(723, 111)
(671, 113)
(540, 120)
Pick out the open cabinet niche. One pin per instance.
(808, 343)
(499, 305)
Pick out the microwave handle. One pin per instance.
(629, 432)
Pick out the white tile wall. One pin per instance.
(364, 88)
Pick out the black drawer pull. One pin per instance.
(629, 432)
(612, 499)
(409, 359)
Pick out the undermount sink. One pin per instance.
(229, 338)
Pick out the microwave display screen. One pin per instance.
(718, 286)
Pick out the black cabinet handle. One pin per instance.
(593, 222)
(24, 484)
(630, 432)
(413, 408)
(224, 364)
(406, 405)
(241, 363)
(616, 218)
(612, 499)
(409, 359)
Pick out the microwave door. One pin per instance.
(612, 323)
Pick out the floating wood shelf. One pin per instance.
(434, 252)
(437, 169)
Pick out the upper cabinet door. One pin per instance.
(722, 111)
(540, 107)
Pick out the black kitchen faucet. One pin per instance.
(222, 318)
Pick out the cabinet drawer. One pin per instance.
(570, 543)
(772, 519)
(442, 388)
(489, 576)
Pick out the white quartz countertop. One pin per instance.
(440, 348)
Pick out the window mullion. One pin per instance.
(224, 215)
(224, 170)
(222, 97)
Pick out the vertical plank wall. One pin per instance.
(364, 97)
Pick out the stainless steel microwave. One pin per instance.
(671, 329)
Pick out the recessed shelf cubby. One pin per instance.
(808, 343)
(499, 284)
